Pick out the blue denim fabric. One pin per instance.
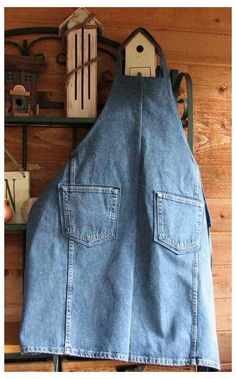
(118, 250)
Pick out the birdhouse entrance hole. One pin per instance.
(139, 48)
(19, 102)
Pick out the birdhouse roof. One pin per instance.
(19, 90)
(145, 33)
(78, 18)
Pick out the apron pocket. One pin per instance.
(88, 213)
(177, 222)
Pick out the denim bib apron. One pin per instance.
(118, 251)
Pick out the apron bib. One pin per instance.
(118, 251)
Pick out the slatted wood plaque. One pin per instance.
(81, 91)
(81, 47)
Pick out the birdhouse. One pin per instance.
(20, 84)
(80, 34)
(140, 54)
(20, 101)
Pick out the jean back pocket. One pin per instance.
(89, 213)
(177, 222)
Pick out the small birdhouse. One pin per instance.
(20, 84)
(140, 54)
(20, 101)
(80, 33)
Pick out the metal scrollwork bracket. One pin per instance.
(187, 116)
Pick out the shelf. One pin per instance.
(35, 121)
(15, 227)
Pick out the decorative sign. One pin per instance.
(17, 190)
(80, 30)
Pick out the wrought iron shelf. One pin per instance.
(48, 122)
(36, 121)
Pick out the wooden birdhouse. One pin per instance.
(20, 100)
(80, 34)
(140, 54)
(20, 84)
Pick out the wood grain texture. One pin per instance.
(109, 365)
(29, 366)
(222, 281)
(225, 343)
(221, 214)
(223, 314)
(195, 40)
(213, 20)
(11, 337)
(227, 367)
(221, 248)
(216, 181)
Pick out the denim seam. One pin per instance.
(197, 182)
(83, 188)
(177, 245)
(125, 357)
(72, 176)
(113, 212)
(194, 305)
(69, 294)
(70, 265)
(65, 209)
(180, 199)
(137, 202)
(160, 220)
(91, 237)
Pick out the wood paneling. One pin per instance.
(221, 248)
(109, 365)
(222, 281)
(225, 343)
(29, 366)
(223, 314)
(11, 337)
(226, 367)
(13, 294)
(213, 20)
(195, 40)
(216, 181)
(220, 211)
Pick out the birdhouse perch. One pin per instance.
(80, 33)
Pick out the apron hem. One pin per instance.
(122, 357)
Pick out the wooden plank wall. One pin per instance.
(195, 40)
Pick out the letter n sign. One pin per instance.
(17, 190)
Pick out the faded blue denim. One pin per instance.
(118, 250)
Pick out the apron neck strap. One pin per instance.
(163, 65)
